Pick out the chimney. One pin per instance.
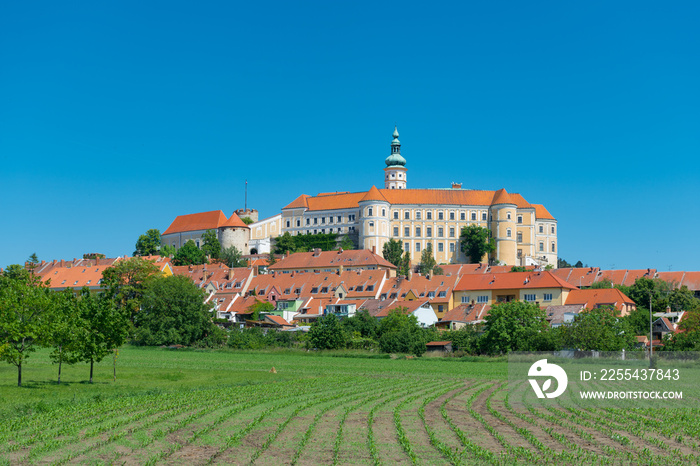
(340, 250)
(62, 263)
(456, 185)
(340, 269)
(410, 273)
(374, 249)
(97, 260)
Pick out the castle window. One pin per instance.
(520, 237)
(541, 246)
(452, 216)
(541, 229)
(396, 215)
(323, 231)
(315, 220)
(399, 175)
(298, 223)
(323, 220)
(340, 219)
(418, 231)
(441, 216)
(483, 216)
(407, 215)
(308, 221)
(554, 249)
(473, 215)
(197, 243)
(441, 232)
(383, 212)
(452, 247)
(351, 218)
(520, 253)
(315, 232)
(552, 230)
(371, 224)
(369, 212)
(288, 224)
(406, 247)
(330, 219)
(452, 232)
(392, 175)
(429, 232)
(441, 247)
(462, 215)
(520, 219)
(407, 231)
(429, 215)
(508, 233)
(417, 247)
(396, 231)
(508, 215)
(418, 215)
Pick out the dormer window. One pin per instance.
(314, 290)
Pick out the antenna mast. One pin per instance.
(245, 205)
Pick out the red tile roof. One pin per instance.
(373, 195)
(592, 298)
(633, 275)
(409, 307)
(541, 213)
(331, 259)
(691, 280)
(235, 221)
(469, 313)
(278, 320)
(466, 197)
(671, 277)
(615, 276)
(193, 222)
(438, 343)
(511, 281)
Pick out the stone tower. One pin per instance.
(235, 233)
(395, 171)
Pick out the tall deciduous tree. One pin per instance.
(148, 244)
(102, 328)
(189, 254)
(475, 243)
(126, 281)
(211, 245)
(25, 304)
(392, 251)
(598, 330)
(173, 313)
(405, 266)
(327, 333)
(515, 326)
(232, 257)
(61, 333)
(427, 261)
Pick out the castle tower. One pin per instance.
(395, 171)
(235, 233)
(503, 227)
(374, 220)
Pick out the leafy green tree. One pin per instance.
(211, 246)
(400, 333)
(189, 254)
(465, 339)
(561, 263)
(247, 220)
(515, 326)
(284, 244)
(363, 323)
(173, 313)
(304, 243)
(605, 283)
(167, 250)
(327, 333)
(32, 262)
(688, 337)
(258, 307)
(16, 272)
(61, 333)
(347, 244)
(232, 257)
(578, 265)
(392, 251)
(405, 266)
(148, 244)
(25, 305)
(126, 281)
(427, 261)
(103, 327)
(476, 243)
(598, 330)
(272, 260)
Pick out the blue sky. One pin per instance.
(115, 118)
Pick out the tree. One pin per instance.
(578, 265)
(400, 333)
(189, 254)
(32, 262)
(173, 313)
(25, 304)
(102, 328)
(126, 281)
(475, 243)
(284, 244)
(347, 244)
(61, 333)
(598, 330)
(211, 246)
(167, 250)
(427, 261)
(363, 323)
(148, 244)
(327, 333)
(232, 257)
(392, 251)
(247, 220)
(561, 263)
(405, 265)
(515, 326)
(271, 260)
(688, 336)
(258, 307)
(605, 283)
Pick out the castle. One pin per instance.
(524, 233)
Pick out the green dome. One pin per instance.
(395, 160)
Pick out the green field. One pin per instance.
(200, 407)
